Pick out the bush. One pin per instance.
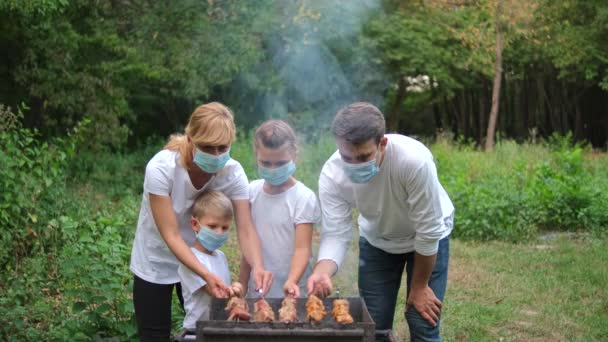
(29, 171)
(518, 190)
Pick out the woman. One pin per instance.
(189, 164)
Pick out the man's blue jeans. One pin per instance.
(379, 281)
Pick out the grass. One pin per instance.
(536, 291)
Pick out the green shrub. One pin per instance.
(29, 170)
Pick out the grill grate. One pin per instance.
(218, 329)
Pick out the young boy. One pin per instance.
(211, 216)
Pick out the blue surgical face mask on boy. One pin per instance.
(210, 239)
(279, 175)
(362, 172)
(211, 163)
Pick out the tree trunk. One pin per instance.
(496, 87)
(393, 119)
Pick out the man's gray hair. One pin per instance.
(359, 122)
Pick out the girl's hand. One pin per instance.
(262, 279)
(291, 289)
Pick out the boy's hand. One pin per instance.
(291, 288)
(216, 287)
(237, 289)
(262, 279)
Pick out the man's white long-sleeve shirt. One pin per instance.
(402, 209)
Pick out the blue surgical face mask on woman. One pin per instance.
(210, 239)
(211, 163)
(279, 175)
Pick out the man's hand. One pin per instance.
(291, 288)
(319, 284)
(262, 279)
(216, 287)
(426, 303)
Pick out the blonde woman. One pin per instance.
(189, 164)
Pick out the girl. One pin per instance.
(189, 164)
(283, 211)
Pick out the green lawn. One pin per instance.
(539, 291)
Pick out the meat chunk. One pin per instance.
(262, 312)
(340, 311)
(287, 312)
(237, 305)
(315, 311)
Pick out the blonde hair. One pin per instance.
(210, 124)
(275, 134)
(212, 203)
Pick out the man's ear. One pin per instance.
(383, 142)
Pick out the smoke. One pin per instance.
(316, 62)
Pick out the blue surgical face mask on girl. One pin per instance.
(210, 239)
(279, 175)
(362, 172)
(211, 163)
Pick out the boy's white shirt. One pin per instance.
(151, 258)
(196, 300)
(275, 218)
(402, 209)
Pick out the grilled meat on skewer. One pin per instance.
(287, 312)
(237, 305)
(340, 311)
(262, 312)
(315, 311)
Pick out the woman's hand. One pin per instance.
(216, 287)
(262, 279)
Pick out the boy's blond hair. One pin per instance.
(210, 124)
(212, 203)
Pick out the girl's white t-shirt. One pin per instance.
(275, 218)
(151, 258)
(197, 301)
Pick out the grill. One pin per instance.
(218, 329)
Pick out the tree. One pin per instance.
(414, 42)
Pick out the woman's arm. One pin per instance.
(244, 274)
(165, 220)
(250, 244)
(300, 259)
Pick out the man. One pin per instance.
(405, 219)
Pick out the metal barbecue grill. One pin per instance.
(217, 328)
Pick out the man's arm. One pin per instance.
(336, 235)
(425, 204)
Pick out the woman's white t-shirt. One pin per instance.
(197, 302)
(275, 218)
(151, 259)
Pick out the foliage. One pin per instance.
(578, 43)
(516, 191)
(120, 62)
(29, 172)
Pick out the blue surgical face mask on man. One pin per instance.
(210, 239)
(279, 175)
(362, 172)
(211, 163)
